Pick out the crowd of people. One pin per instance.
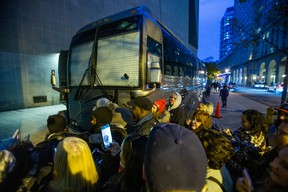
(155, 147)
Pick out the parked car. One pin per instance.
(232, 86)
(260, 85)
(276, 88)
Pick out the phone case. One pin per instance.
(106, 135)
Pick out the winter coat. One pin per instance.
(177, 112)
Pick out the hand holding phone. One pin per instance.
(114, 148)
(106, 135)
(227, 132)
(247, 180)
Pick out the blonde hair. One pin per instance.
(74, 167)
(206, 107)
(204, 118)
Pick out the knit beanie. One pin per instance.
(175, 159)
(102, 102)
(103, 115)
(160, 104)
(126, 115)
(142, 103)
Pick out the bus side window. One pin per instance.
(181, 72)
(176, 71)
(168, 70)
(154, 60)
(187, 72)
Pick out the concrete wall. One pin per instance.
(34, 31)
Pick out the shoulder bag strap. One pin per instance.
(218, 182)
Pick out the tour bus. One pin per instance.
(121, 57)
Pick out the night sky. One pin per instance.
(210, 15)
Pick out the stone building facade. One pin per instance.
(260, 43)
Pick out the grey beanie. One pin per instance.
(175, 159)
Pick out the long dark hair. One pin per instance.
(257, 120)
(132, 179)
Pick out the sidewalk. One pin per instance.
(32, 122)
(236, 104)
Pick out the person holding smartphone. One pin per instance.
(244, 183)
(101, 140)
(112, 123)
(249, 143)
(277, 181)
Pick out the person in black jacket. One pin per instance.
(142, 113)
(224, 93)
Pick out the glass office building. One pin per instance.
(260, 42)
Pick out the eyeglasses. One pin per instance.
(196, 120)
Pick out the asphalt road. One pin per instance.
(261, 96)
(238, 101)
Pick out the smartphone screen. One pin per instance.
(106, 135)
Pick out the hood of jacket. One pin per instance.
(177, 102)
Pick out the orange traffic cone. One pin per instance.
(218, 113)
